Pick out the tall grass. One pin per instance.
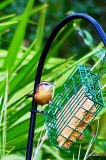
(3, 119)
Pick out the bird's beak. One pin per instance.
(53, 84)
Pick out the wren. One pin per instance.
(43, 94)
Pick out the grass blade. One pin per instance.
(5, 3)
(18, 37)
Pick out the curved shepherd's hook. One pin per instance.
(46, 48)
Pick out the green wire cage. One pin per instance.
(73, 108)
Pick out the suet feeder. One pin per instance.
(73, 108)
(77, 102)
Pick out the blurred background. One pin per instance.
(24, 28)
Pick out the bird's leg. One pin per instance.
(50, 102)
(40, 111)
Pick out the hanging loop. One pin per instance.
(51, 38)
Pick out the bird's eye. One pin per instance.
(46, 84)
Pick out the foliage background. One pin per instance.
(24, 29)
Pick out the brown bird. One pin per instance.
(43, 94)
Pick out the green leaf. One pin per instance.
(88, 39)
(40, 30)
(6, 24)
(18, 37)
(6, 17)
(52, 151)
(5, 3)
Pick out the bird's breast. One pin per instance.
(43, 97)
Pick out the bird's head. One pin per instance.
(45, 85)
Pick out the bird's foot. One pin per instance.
(50, 102)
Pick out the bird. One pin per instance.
(43, 93)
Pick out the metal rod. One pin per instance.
(46, 48)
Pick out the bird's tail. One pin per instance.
(29, 95)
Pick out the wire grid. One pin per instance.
(73, 108)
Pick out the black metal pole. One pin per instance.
(46, 48)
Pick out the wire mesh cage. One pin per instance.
(73, 108)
